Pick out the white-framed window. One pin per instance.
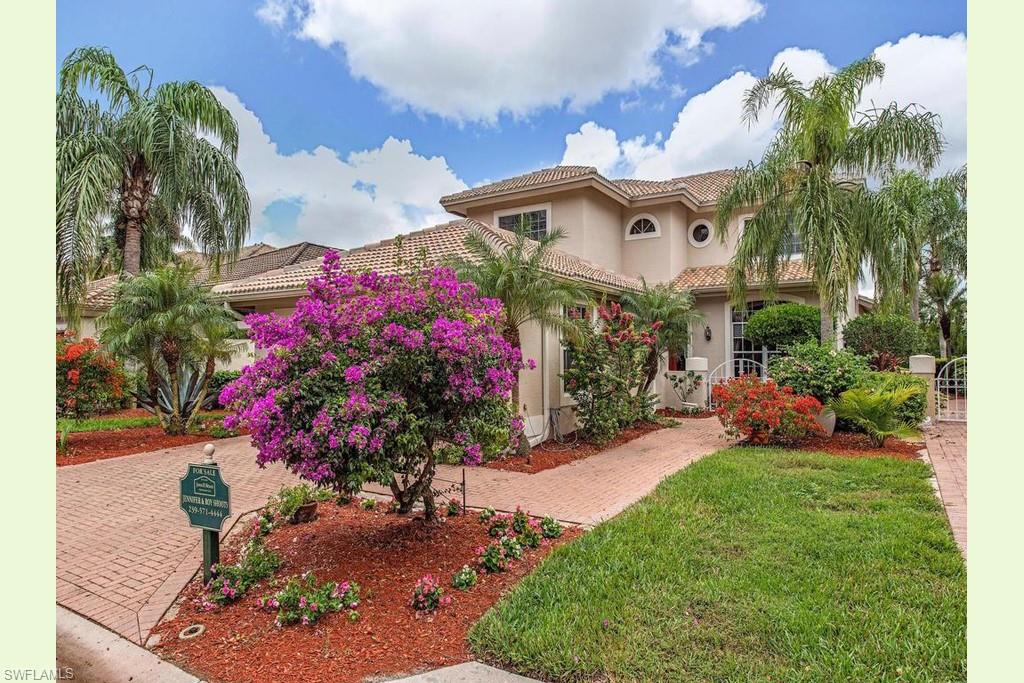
(699, 233)
(642, 226)
(533, 219)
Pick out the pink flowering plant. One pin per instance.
(428, 595)
(232, 581)
(304, 600)
(376, 378)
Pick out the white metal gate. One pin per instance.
(951, 391)
(737, 367)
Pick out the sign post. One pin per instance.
(206, 499)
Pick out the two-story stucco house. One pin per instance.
(616, 232)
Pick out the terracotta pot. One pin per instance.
(305, 513)
(827, 420)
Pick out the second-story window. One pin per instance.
(640, 227)
(533, 223)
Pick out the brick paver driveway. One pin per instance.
(125, 550)
(947, 449)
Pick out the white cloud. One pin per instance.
(473, 60)
(345, 202)
(930, 71)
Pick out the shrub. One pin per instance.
(428, 595)
(290, 498)
(684, 384)
(875, 412)
(913, 410)
(783, 325)
(232, 581)
(520, 520)
(89, 381)
(888, 340)
(492, 558)
(530, 536)
(608, 369)
(453, 507)
(550, 527)
(370, 372)
(762, 413)
(305, 600)
(512, 548)
(817, 370)
(487, 513)
(368, 503)
(499, 524)
(220, 379)
(465, 578)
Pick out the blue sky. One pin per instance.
(355, 117)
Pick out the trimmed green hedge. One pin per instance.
(887, 339)
(914, 409)
(784, 324)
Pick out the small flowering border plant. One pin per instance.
(376, 374)
(499, 525)
(762, 413)
(465, 578)
(305, 600)
(492, 558)
(428, 595)
(487, 513)
(550, 527)
(454, 508)
(232, 581)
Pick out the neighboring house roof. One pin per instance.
(199, 258)
(704, 188)
(261, 258)
(432, 245)
(717, 277)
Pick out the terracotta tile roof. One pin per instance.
(99, 294)
(520, 182)
(432, 245)
(717, 277)
(199, 258)
(705, 187)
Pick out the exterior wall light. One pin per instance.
(707, 333)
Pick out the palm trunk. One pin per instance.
(945, 325)
(828, 327)
(132, 248)
(135, 204)
(915, 302)
(652, 363)
(511, 335)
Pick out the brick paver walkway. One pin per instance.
(947, 449)
(125, 550)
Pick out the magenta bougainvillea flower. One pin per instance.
(376, 374)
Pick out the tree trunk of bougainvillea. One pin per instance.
(416, 490)
(511, 335)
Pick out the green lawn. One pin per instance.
(752, 564)
(102, 424)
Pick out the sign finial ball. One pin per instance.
(208, 451)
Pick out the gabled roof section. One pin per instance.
(701, 188)
(406, 253)
(715, 278)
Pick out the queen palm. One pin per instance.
(142, 165)
(515, 274)
(672, 310)
(948, 297)
(807, 184)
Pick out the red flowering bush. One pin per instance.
(763, 413)
(89, 381)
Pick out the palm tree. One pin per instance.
(143, 161)
(948, 295)
(920, 221)
(675, 311)
(807, 184)
(515, 275)
(170, 326)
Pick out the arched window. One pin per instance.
(643, 226)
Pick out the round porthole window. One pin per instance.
(700, 233)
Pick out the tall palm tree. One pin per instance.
(675, 311)
(807, 184)
(149, 160)
(920, 229)
(515, 274)
(947, 294)
(173, 328)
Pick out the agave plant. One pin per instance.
(876, 412)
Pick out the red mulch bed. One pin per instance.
(551, 454)
(853, 445)
(679, 415)
(385, 554)
(90, 446)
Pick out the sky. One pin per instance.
(356, 117)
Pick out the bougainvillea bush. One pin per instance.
(376, 378)
(760, 412)
(89, 381)
(607, 372)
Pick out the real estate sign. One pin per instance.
(205, 498)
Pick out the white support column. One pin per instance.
(699, 366)
(923, 366)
